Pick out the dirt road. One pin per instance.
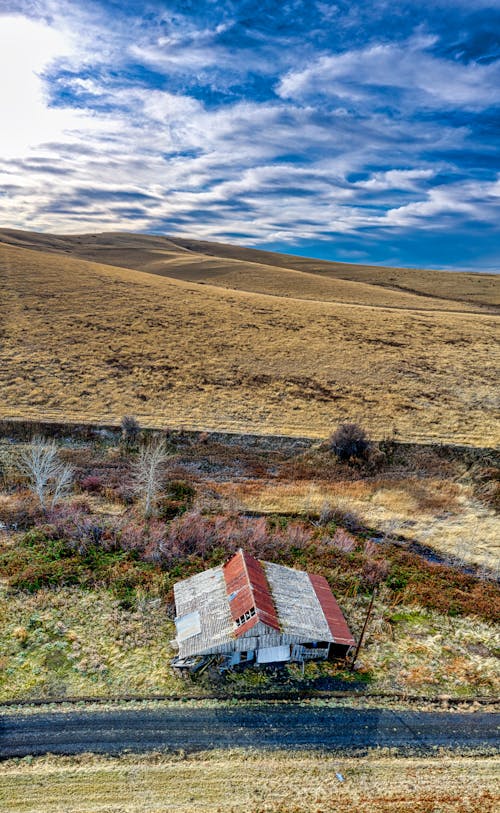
(291, 726)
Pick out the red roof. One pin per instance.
(247, 589)
(332, 612)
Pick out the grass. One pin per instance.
(437, 511)
(78, 642)
(462, 287)
(68, 641)
(86, 594)
(275, 274)
(234, 781)
(84, 341)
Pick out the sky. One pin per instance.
(352, 131)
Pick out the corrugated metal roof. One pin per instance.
(298, 607)
(188, 625)
(204, 593)
(247, 589)
(332, 611)
(291, 606)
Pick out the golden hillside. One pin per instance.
(84, 340)
(280, 275)
(480, 289)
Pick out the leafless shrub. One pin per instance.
(327, 514)
(79, 528)
(375, 568)
(130, 429)
(147, 473)
(297, 535)
(48, 478)
(343, 541)
(341, 515)
(371, 548)
(375, 571)
(350, 442)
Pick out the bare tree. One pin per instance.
(48, 477)
(147, 473)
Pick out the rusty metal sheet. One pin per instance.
(333, 613)
(247, 588)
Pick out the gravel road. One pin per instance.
(290, 726)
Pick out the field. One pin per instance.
(247, 781)
(234, 344)
(193, 335)
(84, 643)
(435, 510)
(86, 594)
(251, 270)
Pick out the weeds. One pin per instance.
(97, 544)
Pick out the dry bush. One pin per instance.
(78, 528)
(130, 429)
(344, 541)
(340, 514)
(350, 442)
(48, 478)
(20, 510)
(148, 471)
(93, 484)
(214, 538)
(375, 566)
(375, 571)
(487, 486)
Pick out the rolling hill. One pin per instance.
(202, 335)
(266, 272)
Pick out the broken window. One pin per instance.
(245, 617)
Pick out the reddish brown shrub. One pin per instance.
(343, 541)
(92, 484)
(375, 570)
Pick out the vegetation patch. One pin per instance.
(104, 554)
(270, 783)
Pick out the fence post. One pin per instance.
(358, 647)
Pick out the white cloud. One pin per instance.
(424, 80)
(469, 199)
(27, 50)
(396, 179)
(276, 170)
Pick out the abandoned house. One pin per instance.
(248, 610)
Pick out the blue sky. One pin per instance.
(363, 132)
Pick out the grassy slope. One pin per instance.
(281, 275)
(464, 287)
(76, 642)
(88, 341)
(274, 783)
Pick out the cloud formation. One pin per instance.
(339, 130)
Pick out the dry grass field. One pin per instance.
(437, 511)
(290, 353)
(235, 781)
(83, 643)
(276, 274)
